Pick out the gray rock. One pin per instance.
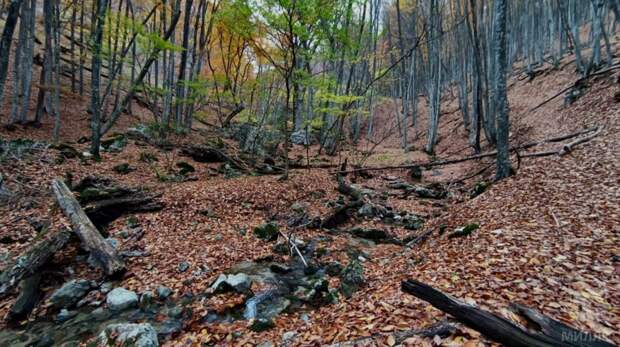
(299, 207)
(352, 278)
(169, 327)
(70, 293)
(240, 283)
(265, 305)
(128, 334)
(366, 211)
(106, 287)
(174, 311)
(146, 299)
(121, 298)
(289, 335)
(184, 266)
(4, 255)
(301, 137)
(65, 315)
(163, 292)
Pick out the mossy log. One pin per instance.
(31, 261)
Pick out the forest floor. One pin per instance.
(547, 237)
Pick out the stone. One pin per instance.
(123, 168)
(289, 335)
(352, 278)
(70, 293)
(174, 311)
(184, 266)
(262, 324)
(65, 315)
(478, 189)
(464, 230)
(163, 292)
(128, 334)
(239, 283)
(299, 207)
(169, 327)
(266, 305)
(267, 231)
(106, 287)
(334, 268)
(120, 299)
(370, 233)
(366, 210)
(146, 299)
(185, 168)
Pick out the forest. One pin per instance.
(310, 173)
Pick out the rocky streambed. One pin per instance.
(104, 314)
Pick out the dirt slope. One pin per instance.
(548, 236)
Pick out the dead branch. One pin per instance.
(500, 329)
(576, 84)
(479, 156)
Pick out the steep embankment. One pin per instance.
(548, 236)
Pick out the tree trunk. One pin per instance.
(5, 41)
(504, 168)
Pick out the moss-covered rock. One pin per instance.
(262, 324)
(478, 189)
(464, 230)
(370, 233)
(123, 168)
(352, 278)
(185, 168)
(267, 231)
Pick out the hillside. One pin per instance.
(547, 236)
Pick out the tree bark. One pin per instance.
(31, 261)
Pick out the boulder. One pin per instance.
(239, 283)
(120, 298)
(70, 293)
(128, 334)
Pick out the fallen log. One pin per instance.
(102, 251)
(29, 295)
(500, 329)
(102, 212)
(579, 82)
(103, 200)
(31, 261)
(481, 155)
